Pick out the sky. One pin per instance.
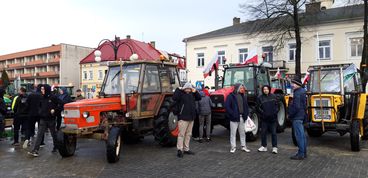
(39, 23)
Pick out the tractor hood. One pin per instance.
(223, 91)
(95, 104)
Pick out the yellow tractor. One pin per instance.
(336, 102)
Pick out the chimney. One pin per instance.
(128, 37)
(236, 20)
(313, 7)
(153, 44)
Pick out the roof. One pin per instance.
(144, 51)
(322, 17)
(52, 48)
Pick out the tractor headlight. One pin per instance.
(86, 114)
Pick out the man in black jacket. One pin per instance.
(187, 113)
(2, 111)
(48, 105)
(267, 107)
(20, 114)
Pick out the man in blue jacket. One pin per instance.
(297, 113)
(237, 111)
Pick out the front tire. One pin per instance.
(355, 136)
(281, 117)
(252, 136)
(166, 125)
(113, 145)
(66, 144)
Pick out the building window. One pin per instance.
(292, 52)
(200, 59)
(90, 75)
(356, 47)
(100, 75)
(324, 50)
(84, 75)
(243, 54)
(268, 51)
(221, 57)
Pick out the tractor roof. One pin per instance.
(117, 63)
(330, 66)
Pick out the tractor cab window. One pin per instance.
(151, 83)
(169, 79)
(262, 78)
(131, 79)
(326, 81)
(242, 75)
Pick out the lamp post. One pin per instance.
(115, 45)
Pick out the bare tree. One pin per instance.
(280, 19)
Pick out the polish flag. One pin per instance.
(306, 78)
(278, 74)
(251, 58)
(211, 66)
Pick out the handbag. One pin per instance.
(249, 125)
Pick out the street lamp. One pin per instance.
(115, 45)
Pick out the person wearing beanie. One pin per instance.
(186, 99)
(267, 108)
(297, 114)
(237, 111)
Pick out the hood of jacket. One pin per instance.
(237, 88)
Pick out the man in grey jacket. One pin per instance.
(204, 107)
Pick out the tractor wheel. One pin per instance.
(166, 125)
(355, 136)
(281, 117)
(66, 144)
(293, 137)
(314, 132)
(113, 145)
(252, 136)
(365, 124)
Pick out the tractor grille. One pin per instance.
(218, 101)
(324, 113)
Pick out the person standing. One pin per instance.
(2, 111)
(20, 114)
(267, 107)
(237, 111)
(48, 105)
(64, 98)
(79, 95)
(204, 107)
(297, 113)
(33, 115)
(186, 99)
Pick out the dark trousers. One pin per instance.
(43, 126)
(2, 123)
(58, 121)
(30, 126)
(266, 128)
(18, 122)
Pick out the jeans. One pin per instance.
(43, 125)
(202, 119)
(185, 132)
(240, 127)
(271, 127)
(300, 137)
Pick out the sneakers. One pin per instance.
(245, 149)
(42, 145)
(25, 144)
(297, 157)
(180, 154)
(54, 150)
(33, 153)
(189, 152)
(15, 144)
(262, 149)
(274, 150)
(232, 150)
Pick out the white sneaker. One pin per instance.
(25, 144)
(244, 148)
(232, 150)
(262, 149)
(274, 150)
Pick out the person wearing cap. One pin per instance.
(79, 95)
(186, 98)
(237, 111)
(297, 113)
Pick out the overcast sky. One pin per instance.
(38, 23)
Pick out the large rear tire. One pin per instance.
(165, 124)
(365, 123)
(252, 136)
(113, 145)
(66, 144)
(355, 136)
(281, 116)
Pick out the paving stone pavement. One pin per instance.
(328, 156)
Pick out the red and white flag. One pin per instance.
(306, 78)
(251, 58)
(211, 66)
(278, 74)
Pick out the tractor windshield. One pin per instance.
(131, 79)
(244, 75)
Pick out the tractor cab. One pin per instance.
(336, 102)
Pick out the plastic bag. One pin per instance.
(249, 125)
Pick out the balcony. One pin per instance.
(35, 63)
(48, 74)
(55, 60)
(27, 75)
(16, 65)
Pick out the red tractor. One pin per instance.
(253, 77)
